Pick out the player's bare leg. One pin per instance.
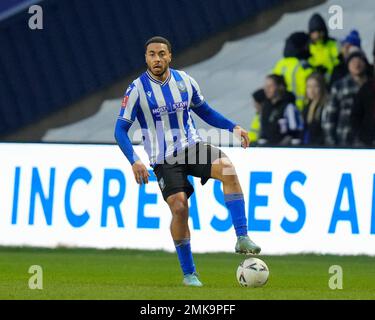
(178, 205)
(222, 169)
(180, 232)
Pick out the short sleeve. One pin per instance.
(197, 98)
(129, 104)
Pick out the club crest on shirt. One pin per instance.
(181, 86)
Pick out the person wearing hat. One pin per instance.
(337, 120)
(294, 66)
(323, 49)
(351, 42)
(258, 99)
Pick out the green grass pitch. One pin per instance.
(133, 274)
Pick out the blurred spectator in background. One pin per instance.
(363, 116)
(281, 122)
(350, 42)
(294, 66)
(317, 97)
(258, 99)
(323, 49)
(337, 123)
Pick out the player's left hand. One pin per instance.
(140, 172)
(242, 134)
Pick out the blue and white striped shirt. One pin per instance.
(163, 112)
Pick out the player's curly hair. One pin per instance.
(158, 39)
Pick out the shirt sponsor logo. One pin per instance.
(160, 110)
(177, 106)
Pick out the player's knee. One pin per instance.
(179, 207)
(181, 210)
(227, 171)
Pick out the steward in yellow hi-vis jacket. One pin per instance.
(324, 50)
(294, 66)
(258, 99)
(254, 129)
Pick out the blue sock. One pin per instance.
(185, 256)
(236, 206)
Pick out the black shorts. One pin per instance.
(196, 161)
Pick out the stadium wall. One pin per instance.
(297, 200)
(87, 45)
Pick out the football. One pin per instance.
(252, 273)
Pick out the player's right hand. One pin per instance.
(242, 134)
(140, 172)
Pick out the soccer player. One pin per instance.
(162, 99)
